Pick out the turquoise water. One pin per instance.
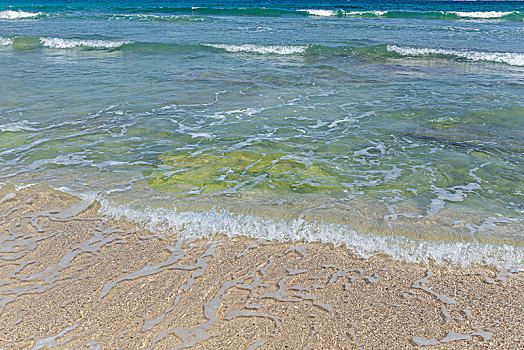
(359, 119)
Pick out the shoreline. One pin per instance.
(74, 279)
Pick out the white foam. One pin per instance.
(261, 49)
(5, 41)
(58, 43)
(155, 17)
(10, 14)
(479, 14)
(17, 126)
(321, 13)
(205, 135)
(195, 225)
(511, 58)
(375, 13)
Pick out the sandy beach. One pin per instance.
(72, 279)
(316, 174)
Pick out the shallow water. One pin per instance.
(378, 119)
(71, 277)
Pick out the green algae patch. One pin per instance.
(238, 171)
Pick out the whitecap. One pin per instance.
(321, 13)
(511, 58)
(375, 13)
(58, 43)
(5, 41)
(10, 14)
(480, 14)
(261, 49)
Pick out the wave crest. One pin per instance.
(484, 15)
(57, 43)
(6, 41)
(10, 14)
(261, 49)
(511, 58)
(322, 13)
(381, 50)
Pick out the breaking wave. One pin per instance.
(27, 42)
(178, 14)
(6, 41)
(511, 58)
(57, 43)
(261, 49)
(449, 15)
(322, 13)
(10, 14)
(373, 51)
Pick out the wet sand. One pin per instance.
(71, 279)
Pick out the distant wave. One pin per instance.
(189, 14)
(158, 18)
(449, 15)
(487, 14)
(10, 14)
(374, 51)
(322, 13)
(57, 43)
(261, 49)
(27, 42)
(511, 58)
(366, 13)
(210, 11)
(274, 12)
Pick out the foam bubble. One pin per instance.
(195, 225)
(10, 14)
(261, 49)
(321, 13)
(511, 58)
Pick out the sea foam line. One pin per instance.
(511, 58)
(261, 49)
(196, 225)
(10, 14)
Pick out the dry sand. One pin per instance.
(74, 280)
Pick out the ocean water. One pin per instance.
(391, 127)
